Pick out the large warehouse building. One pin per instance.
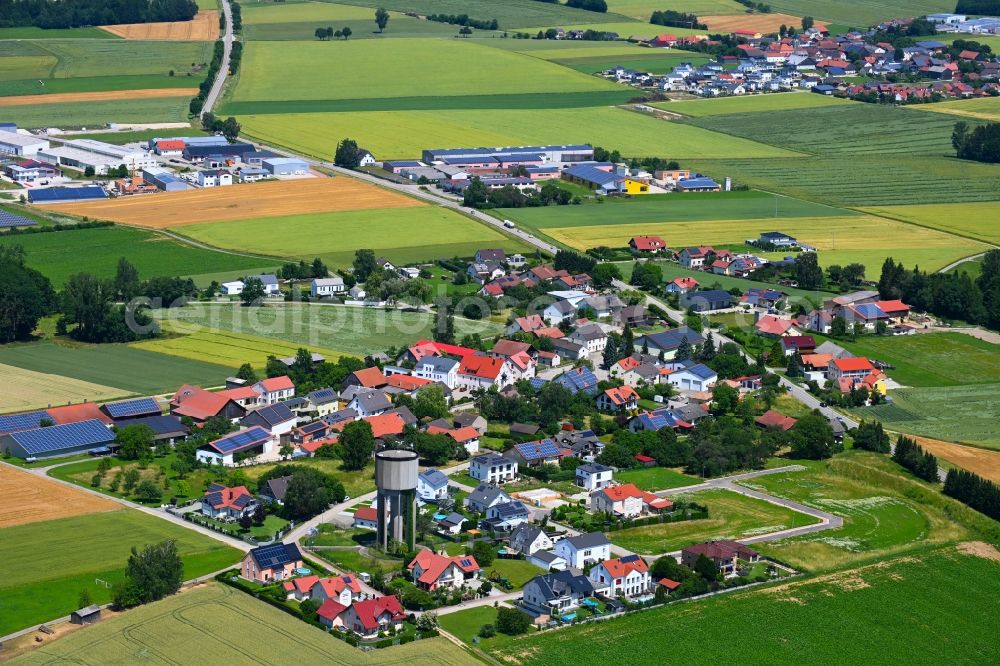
(133, 158)
(23, 145)
(58, 440)
(164, 179)
(285, 166)
(78, 159)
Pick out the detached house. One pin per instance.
(556, 593)
(266, 564)
(274, 389)
(430, 571)
(724, 554)
(529, 539)
(484, 372)
(695, 378)
(627, 501)
(432, 486)
(227, 503)
(493, 468)
(483, 497)
(368, 618)
(622, 577)
(581, 550)
(593, 476)
(618, 399)
(344, 589)
(651, 244)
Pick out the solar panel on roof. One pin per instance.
(15, 422)
(126, 408)
(62, 437)
(543, 449)
(466, 563)
(8, 220)
(239, 440)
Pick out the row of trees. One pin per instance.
(975, 491)
(465, 21)
(981, 144)
(79, 13)
(198, 101)
(912, 456)
(676, 19)
(327, 33)
(229, 128)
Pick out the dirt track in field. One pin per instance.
(203, 27)
(763, 23)
(99, 96)
(980, 461)
(30, 499)
(241, 202)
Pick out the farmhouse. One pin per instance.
(266, 564)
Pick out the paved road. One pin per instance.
(960, 262)
(227, 49)
(481, 601)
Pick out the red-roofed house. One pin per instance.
(222, 502)
(170, 147)
(774, 327)
(663, 41)
(528, 324)
(274, 389)
(618, 399)
(431, 571)
(331, 613)
(467, 436)
(344, 589)
(366, 518)
(682, 285)
(299, 588)
(367, 618)
(855, 367)
(647, 244)
(386, 425)
(625, 576)
(368, 378)
(484, 372)
(200, 405)
(668, 585)
(627, 501)
(798, 344)
(896, 309)
(773, 419)
(407, 383)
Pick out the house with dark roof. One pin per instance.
(583, 549)
(370, 403)
(483, 497)
(166, 427)
(667, 342)
(706, 301)
(277, 419)
(593, 476)
(557, 593)
(506, 516)
(273, 490)
(578, 380)
(432, 486)
(323, 401)
(528, 539)
(724, 554)
(535, 454)
(236, 446)
(267, 564)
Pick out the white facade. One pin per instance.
(231, 288)
(578, 555)
(133, 158)
(689, 381)
(443, 370)
(593, 477)
(215, 178)
(24, 145)
(630, 585)
(327, 286)
(494, 469)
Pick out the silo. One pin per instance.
(396, 480)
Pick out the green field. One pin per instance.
(348, 330)
(656, 478)
(31, 32)
(120, 366)
(751, 104)
(335, 236)
(68, 115)
(303, 11)
(731, 516)
(97, 251)
(643, 9)
(218, 622)
(985, 108)
(909, 610)
(90, 58)
(861, 13)
(509, 13)
(974, 220)
(518, 572)
(119, 138)
(399, 134)
(362, 28)
(656, 62)
(973, 267)
(49, 563)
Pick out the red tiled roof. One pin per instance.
(228, 497)
(366, 513)
(505, 347)
(408, 382)
(817, 360)
(370, 377)
(685, 282)
(441, 348)
(434, 565)
(282, 383)
(300, 585)
(549, 332)
(892, 306)
(170, 144)
(620, 395)
(624, 491)
(493, 289)
(531, 323)
(628, 363)
(853, 364)
(773, 325)
(239, 393)
(84, 411)
(199, 404)
(331, 609)
(370, 610)
(386, 424)
(619, 569)
(669, 584)
(332, 587)
(314, 445)
(483, 367)
(643, 458)
(647, 243)
(774, 419)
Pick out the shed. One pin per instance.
(88, 615)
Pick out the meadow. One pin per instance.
(465, 624)
(71, 115)
(38, 389)
(304, 11)
(647, 60)
(400, 26)
(921, 604)
(97, 251)
(32, 32)
(643, 9)
(867, 240)
(335, 236)
(984, 108)
(119, 138)
(973, 219)
(51, 562)
(972, 268)
(983, 462)
(217, 622)
(721, 106)
(122, 367)
(348, 330)
(401, 134)
(861, 13)
(509, 14)
(656, 478)
(730, 516)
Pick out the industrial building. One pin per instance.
(79, 159)
(133, 158)
(59, 440)
(285, 166)
(164, 179)
(25, 171)
(396, 482)
(554, 154)
(23, 145)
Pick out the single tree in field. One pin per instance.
(346, 32)
(320, 33)
(231, 129)
(347, 156)
(336, 34)
(381, 18)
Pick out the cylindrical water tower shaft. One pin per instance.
(396, 480)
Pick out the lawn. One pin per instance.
(74, 114)
(49, 563)
(331, 535)
(399, 134)
(656, 478)
(910, 610)
(97, 251)
(866, 240)
(336, 236)
(731, 516)
(217, 621)
(973, 268)
(518, 572)
(350, 330)
(509, 13)
(465, 624)
(973, 219)
(355, 483)
(413, 67)
(90, 58)
(751, 104)
(121, 366)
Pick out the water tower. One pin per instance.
(396, 481)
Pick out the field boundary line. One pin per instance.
(944, 231)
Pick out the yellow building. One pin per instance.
(636, 187)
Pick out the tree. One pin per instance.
(476, 195)
(134, 441)
(306, 496)
(683, 350)
(347, 155)
(706, 568)
(603, 274)
(247, 374)
(807, 271)
(871, 437)
(725, 398)
(812, 438)
(668, 567)
(86, 302)
(381, 18)
(231, 129)
(153, 573)
(320, 33)
(84, 599)
(444, 324)
(25, 296)
(511, 621)
(346, 32)
(147, 491)
(364, 264)
(484, 553)
(612, 351)
(253, 292)
(433, 449)
(807, 22)
(308, 608)
(126, 283)
(357, 445)
(430, 402)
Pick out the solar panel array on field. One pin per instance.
(63, 437)
(129, 408)
(9, 220)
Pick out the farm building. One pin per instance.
(88, 615)
(66, 194)
(702, 184)
(327, 286)
(285, 166)
(125, 412)
(58, 440)
(163, 179)
(166, 427)
(78, 159)
(8, 127)
(25, 145)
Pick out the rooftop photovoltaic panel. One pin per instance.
(15, 422)
(241, 440)
(466, 563)
(8, 220)
(126, 408)
(543, 449)
(66, 436)
(271, 556)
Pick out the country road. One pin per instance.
(227, 49)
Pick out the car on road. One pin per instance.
(508, 224)
(823, 404)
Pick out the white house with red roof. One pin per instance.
(467, 436)
(274, 389)
(367, 618)
(366, 518)
(618, 399)
(484, 372)
(652, 244)
(300, 589)
(775, 327)
(527, 324)
(344, 589)
(331, 614)
(627, 501)
(430, 570)
(682, 285)
(622, 577)
(228, 503)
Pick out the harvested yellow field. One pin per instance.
(31, 499)
(97, 96)
(204, 27)
(986, 108)
(979, 461)
(762, 23)
(241, 202)
(975, 219)
(27, 389)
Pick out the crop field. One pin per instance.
(203, 27)
(861, 13)
(30, 499)
(762, 23)
(49, 563)
(509, 13)
(751, 104)
(643, 9)
(335, 236)
(656, 478)
(32, 32)
(217, 622)
(97, 96)
(112, 365)
(840, 240)
(921, 604)
(967, 413)
(123, 137)
(40, 389)
(565, 49)
(268, 199)
(399, 134)
(97, 251)
(980, 461)
(730, 516)
(974, 219)
(412, 67)
(347, 330)
(399, 26)
(305, 11)
(224, 348)
(148, 110)
(986, 108)
(72, 58)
